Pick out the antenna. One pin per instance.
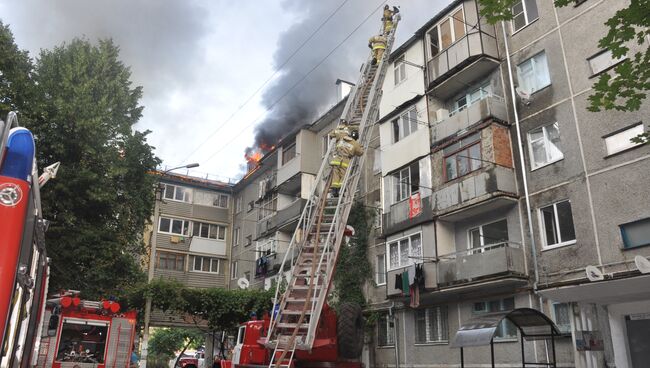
(594, 274)
(243, 283)
(524, 96)
(642, 264)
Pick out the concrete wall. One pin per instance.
(395, 95)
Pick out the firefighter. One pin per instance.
(345, 148)
(388, 18)
(378, 46)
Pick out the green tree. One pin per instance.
(165, 342)
(102, 196)
(628, 26)
(16, 84)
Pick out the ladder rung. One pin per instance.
(302, 326)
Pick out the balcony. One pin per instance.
(266, 225)
(462, 63)
(448, 125)
(467, 266)
(397, 219)
(208, 246)
(287, 218)
(489, 189)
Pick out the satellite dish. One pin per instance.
(243, 283)
(524, 96)
(642, 264)
(594, 274)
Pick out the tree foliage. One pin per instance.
(222, 309)
(165, 342)
(627, 27)
(16, 84)
(353, 268)
(83, 115)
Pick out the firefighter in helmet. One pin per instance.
(378, 46)
(387, 18)
(345, 148)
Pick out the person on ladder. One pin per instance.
(388, 18)
(378, 46)
(345, 148)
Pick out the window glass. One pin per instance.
(459, 24)
(177, 226)
(565, 221)
(214, 265)
(233, 270)
(394, 255)
(399, 70)
(288, 152)
(523, 13)
(544, 145)
(405, 251)
(557, 220)
(445, 34)
(465, 160)
(82, 341)
(385, 333)
(636, 234)
(562, 316)
(381, 269)
(533, 74)
(433, 41)
(165, 224)
(169, 191)
(621, 141)
(506, 329)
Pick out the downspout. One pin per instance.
(524, 177)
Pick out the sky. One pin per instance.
(217, 74)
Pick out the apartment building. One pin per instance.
(190, 234)
(454, 198)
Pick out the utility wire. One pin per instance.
(286, 61)
(296, 84)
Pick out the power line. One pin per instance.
(269, 79)
(298, 82)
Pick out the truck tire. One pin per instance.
(349, 331)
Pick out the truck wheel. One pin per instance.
(349, 331)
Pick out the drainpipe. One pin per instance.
(393, 316)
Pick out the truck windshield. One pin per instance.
(82, 341)
(240, 335)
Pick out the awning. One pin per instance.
(531, 323)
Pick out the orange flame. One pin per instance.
(254, 155)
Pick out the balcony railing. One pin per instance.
(448, 124)
(398, 219)
(462, 53)
(480, 263)
(286, 216)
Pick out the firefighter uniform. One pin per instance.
(378, 46)
(345, 148)
(388, 18)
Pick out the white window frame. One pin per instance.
(219, 229)
(547, 146)
(185, 227)
(187, 194)
(238, 204)
(380, 277)
(625, 134)
(484, 90)
(404, 121)
(268, 207)
(442, 322)
(452, 22)
(542, 226)
(482, 239)
(401, 183)
(611, 62)
(157, 260)
(219, 197)
(235, 236)
(525, 12)
(203, 259)
(287, 148)
(399, 70)
(233, 270)
(409, 261)
(265, 248)
(536, 67)
(390, 330)
(565, 329)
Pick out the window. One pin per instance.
(603, 61)
(523, 13)
(205, 198)
(206, 264)
(636, 234)
(249, 240)
(578, 2)
(268, 207)
(557, 224)
(562, 316)
(238, 204)
(325, 144)
(235, 236)
(75, 334)
(620, 141)
(173, 226)
(209, 231)
(221, 201)
(495, 234)
(385, 330)
(250, 206)
(380, 278)
(176, 193)
(405, 125)
(406, 181)
(471, 96)
(265, 248)
(533, 74)
(431, 325)
(405, 251)
(445, 33)
(170, 261)
(376, 163)
(462, 157)
(543, 146)
(506, 329)
(233, 270)
(399, 70)
(288, 152)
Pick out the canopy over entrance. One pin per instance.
(531, 323)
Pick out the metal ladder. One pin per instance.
(315, 244)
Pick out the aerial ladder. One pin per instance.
(315, 245)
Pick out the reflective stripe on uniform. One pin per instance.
(381, 46)
(336, 185)
(339, 163)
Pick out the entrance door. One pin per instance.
(638, 337)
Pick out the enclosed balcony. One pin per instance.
(450, 123)
(463, 62)
(399, 218)
(266, 225)
(287, 218)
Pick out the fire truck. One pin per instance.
(303, 331)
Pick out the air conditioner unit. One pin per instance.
(262, 189)
(442, 114)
